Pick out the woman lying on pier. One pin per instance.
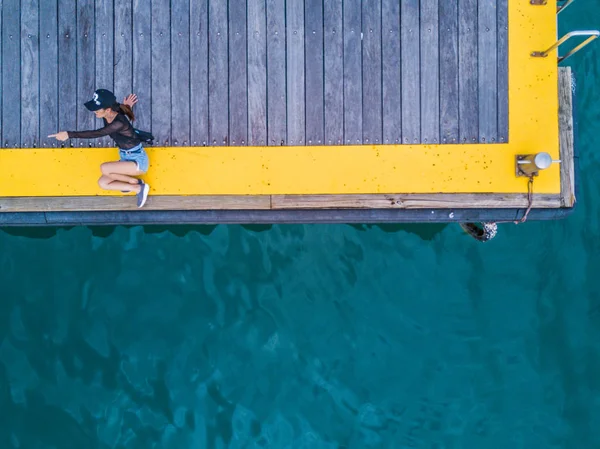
(134, 159)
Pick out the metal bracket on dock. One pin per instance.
(530, 164)
(538, 2)
(565, 4)
(593, 34)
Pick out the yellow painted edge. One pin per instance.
(533, 127)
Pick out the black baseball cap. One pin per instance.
(102, 99)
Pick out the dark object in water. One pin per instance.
(482, 231)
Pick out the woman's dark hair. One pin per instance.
(117, 107)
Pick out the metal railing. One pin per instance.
(593, 35)
(565, 5)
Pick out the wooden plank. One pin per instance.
(468, 104)
(161, 75)
(449, 72)
(105, 41)
(86, 69)
(257, 72)
(391, 64)
(123, 51)
(30, 71)
(180, 72)
(488, 68)
(502, 55)
(314, 72)
(413, 201)
(372, 71)
(142, 63)
(218, 73)
(104, 18)
(11, 78)
(212, 217)
(430, 72)
(107, 203)
(296, 118)
(238, 73)
(353, 118)
(567, 141)
(334, 72)
(278, 202)
(49, 68)
(68, 107)
(276, 77)
(199, 72)
(411, 73)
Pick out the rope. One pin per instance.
(486, 231)
(529, 199)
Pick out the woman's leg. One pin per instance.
(120, 176)
(123, 171)
(108, 183)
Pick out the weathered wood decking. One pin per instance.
(247, 72)
(259, 72)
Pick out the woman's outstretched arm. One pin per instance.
(113, 127)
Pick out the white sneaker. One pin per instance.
(142, 196)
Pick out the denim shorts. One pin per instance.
(138, 155)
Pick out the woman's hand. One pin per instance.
(62, 136)
(130, 100)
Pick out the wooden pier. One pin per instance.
(297, 110)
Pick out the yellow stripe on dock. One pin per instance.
(278, 170)
(533, 127)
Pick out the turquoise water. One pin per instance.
(310, 336)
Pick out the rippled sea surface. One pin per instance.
(310, 336)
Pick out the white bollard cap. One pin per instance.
(542, 160)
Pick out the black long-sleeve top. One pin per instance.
(120, 130)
